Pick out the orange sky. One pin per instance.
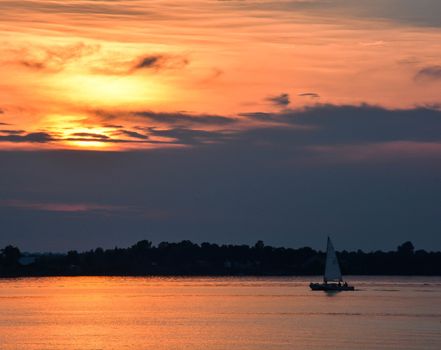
(112, 75)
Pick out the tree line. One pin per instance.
(186, 259)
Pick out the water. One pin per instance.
(86, 313)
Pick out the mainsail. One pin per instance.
(332, 269)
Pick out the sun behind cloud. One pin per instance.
(75, 132)
(107, 91)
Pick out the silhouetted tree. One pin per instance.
(187, 258)
(72, 257)
(10, 256)
(259, 245)
(406, 248)
(142, 246)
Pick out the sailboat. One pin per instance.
(332, 280)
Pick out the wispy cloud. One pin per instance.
(60, 207)
(148, 62)
(115, 65)
(143, 212)
(316, 125)
(133, 134)
(12, 132)
(91, 135)
(312, 95)
(53, 58)
(186, 136)
(429, 73)
(85, 208)
(33, 137)
(159, 61)
(281, 100)
(113, 126)
(167, 118)
(100, 7)
(2, 123)
(185, 118)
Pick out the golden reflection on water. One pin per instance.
(216, 313)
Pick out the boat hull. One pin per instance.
(330, 287)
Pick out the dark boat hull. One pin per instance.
(330, 287)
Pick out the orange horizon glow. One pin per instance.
(167, 57)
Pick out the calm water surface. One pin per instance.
(218, 313)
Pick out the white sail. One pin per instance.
(332, 269)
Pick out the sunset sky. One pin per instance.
(223, 121)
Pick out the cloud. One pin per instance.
(333, 124)
(317, 125)
(21, 136)
(281, 100)
(59, 207)
(79, 7)
(2, 112)
(81, 207)
(91, 135)
(158, 61)
(39, 137)
(133, 134)
(35, 65)
(261, 116)
(54, 58)
(185, 136)
(148, 62)
(410, 60)
(421, 13)
(184, 118)
(214, 74)
(429, 73)
(304, 128)
(12, 132)
(353, 170)
(176, 118)
(33, 137)
(309, 94)
(109, 140)
(113, 126)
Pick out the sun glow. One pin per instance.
(98, 90)
(96, 63)
(88, 143)
(81, 137)
(73, 132)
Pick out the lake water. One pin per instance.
(85, 313)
